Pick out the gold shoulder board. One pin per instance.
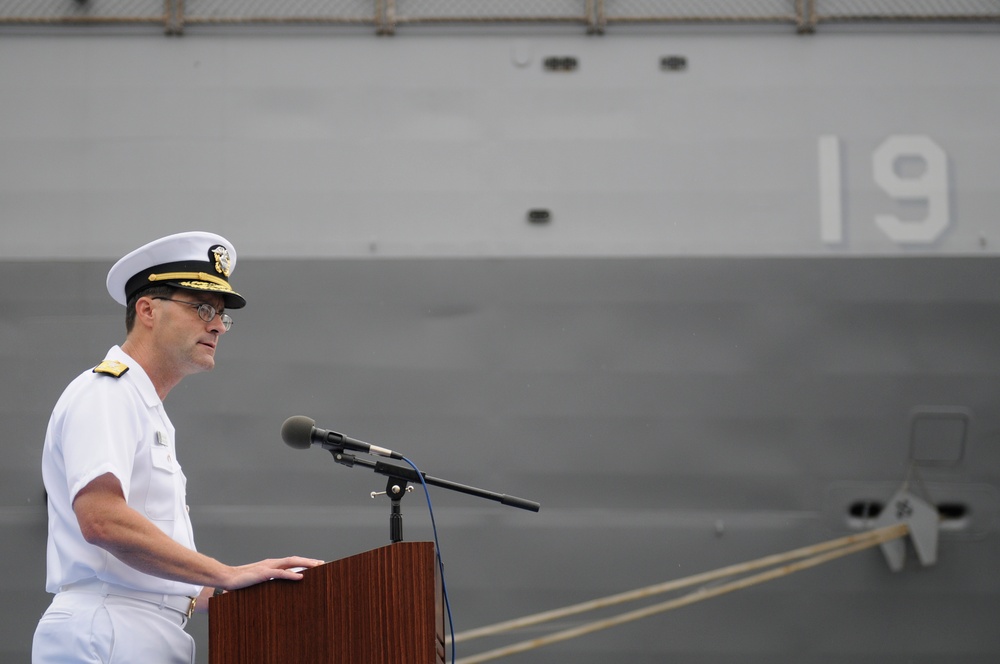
(112, 368)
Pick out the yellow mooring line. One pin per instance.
(783, 564)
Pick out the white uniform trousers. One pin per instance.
(86, 627)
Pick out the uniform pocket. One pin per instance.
(70, 630)
(56, 615)
(163, 484)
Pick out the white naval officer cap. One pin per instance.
(194, 260)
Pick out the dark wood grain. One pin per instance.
(379, 607)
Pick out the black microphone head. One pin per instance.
(297, 431)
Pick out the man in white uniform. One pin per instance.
(121, 556)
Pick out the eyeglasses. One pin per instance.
(206, 311)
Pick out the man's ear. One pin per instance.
(144, 311)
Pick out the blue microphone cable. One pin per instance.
(437, 552)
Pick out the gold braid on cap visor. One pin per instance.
(199, 276)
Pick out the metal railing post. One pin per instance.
(596, 18)
(173, 17)
(386, 17)
(805, 14)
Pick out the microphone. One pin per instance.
(301, 433)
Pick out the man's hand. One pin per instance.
(273, 568)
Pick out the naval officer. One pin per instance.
(121, 558)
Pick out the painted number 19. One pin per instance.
(924, 182)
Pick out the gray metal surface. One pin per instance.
(671, 415)
(321, 146)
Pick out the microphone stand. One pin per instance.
(397, 487)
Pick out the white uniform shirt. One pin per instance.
(102, 424)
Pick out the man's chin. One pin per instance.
(205, 360)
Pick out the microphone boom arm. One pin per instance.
(406, 473)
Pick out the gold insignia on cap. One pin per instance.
(199, 276)
(223, 263)
(207, 286)
(111, 368)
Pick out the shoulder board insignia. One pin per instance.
(112, 368)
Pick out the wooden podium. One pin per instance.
(380, 607)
